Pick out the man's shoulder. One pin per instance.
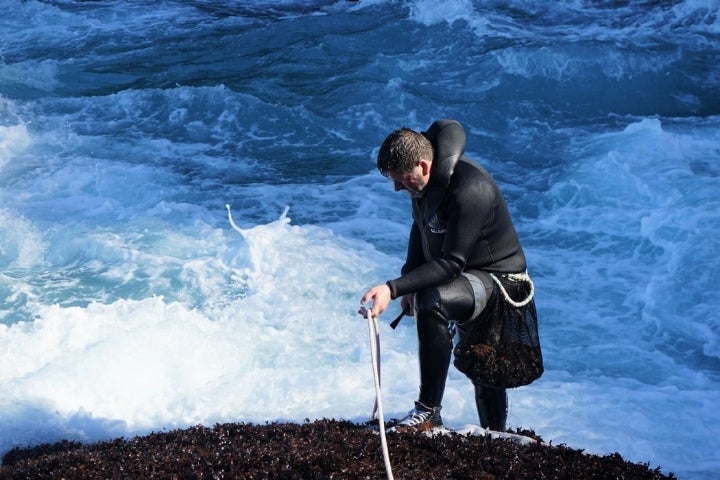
(472, 184)
(468, 170)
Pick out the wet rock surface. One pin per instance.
(322, 449)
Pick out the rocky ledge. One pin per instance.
(323, 449)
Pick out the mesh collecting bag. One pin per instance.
(501, 347)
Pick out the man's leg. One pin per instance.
(434, 308)
(492, 407)
(491, 402)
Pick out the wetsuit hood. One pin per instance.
(448, 140)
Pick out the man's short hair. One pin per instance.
(402, 151)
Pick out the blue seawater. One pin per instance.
(129, 304)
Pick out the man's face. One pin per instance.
(414, 182)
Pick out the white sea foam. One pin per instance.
(13, 139)
(288, 348)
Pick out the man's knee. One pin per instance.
(431, 318)
(451, 301)
(429, 303)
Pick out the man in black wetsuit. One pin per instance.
(462, 232)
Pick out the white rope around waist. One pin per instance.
(516, 277)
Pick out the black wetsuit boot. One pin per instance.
(492, 406)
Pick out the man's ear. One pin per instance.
(425, 165)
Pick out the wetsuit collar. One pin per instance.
(448, 141)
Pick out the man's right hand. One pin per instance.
(380, 296)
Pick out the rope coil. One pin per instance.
(515, 277)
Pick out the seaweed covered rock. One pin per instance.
(321, 449)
